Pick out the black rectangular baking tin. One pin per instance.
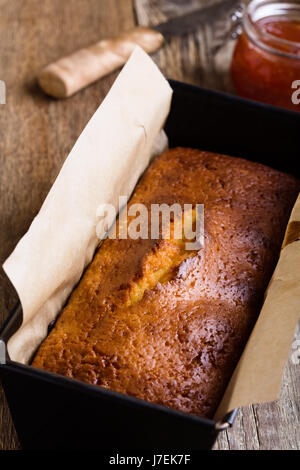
(54, 412)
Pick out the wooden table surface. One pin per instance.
(37, 134)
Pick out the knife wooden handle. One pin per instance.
(74, 72)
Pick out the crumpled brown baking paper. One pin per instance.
(106, 161)
(257, 377)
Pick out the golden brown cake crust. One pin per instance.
(177, 344)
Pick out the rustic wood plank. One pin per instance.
(191, 59)
(37, 132)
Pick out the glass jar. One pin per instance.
(266, 60)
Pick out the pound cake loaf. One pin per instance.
(153, 320)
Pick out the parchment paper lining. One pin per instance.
(106, 161)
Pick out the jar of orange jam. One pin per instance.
(266, 60)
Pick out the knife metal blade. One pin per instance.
(190, 22)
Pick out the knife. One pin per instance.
(70, 74)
